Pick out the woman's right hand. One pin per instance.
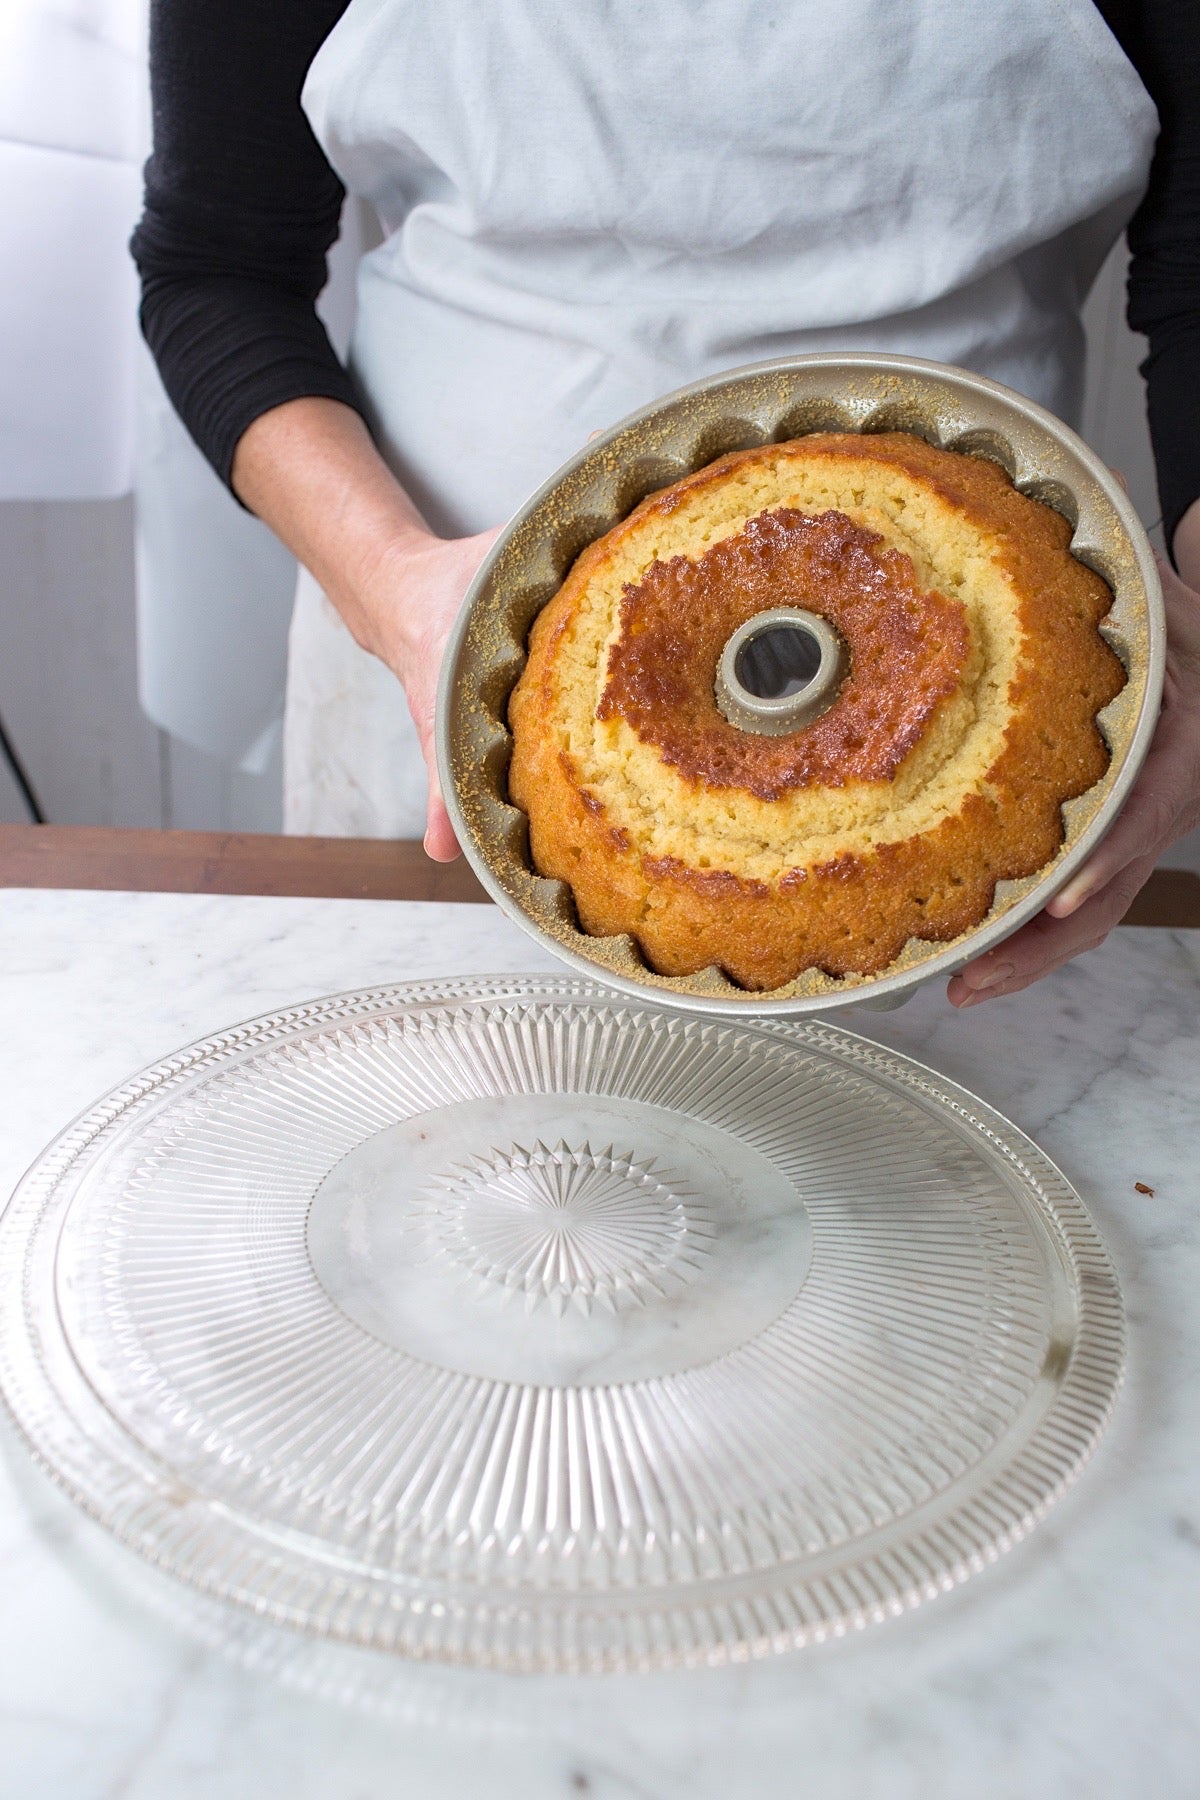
(310, 470)
(403, 615)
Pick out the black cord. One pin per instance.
(20, 777)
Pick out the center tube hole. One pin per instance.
(779, 661)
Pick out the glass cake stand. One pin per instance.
(512, 1323)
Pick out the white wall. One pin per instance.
(68, 684)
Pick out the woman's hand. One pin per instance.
(310, 470)
(1163, 806)
(404, 614)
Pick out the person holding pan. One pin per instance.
(584, 207)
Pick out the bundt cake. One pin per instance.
(963, 715)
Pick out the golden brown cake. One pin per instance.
(967, 714)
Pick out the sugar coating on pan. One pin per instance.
(976, 671)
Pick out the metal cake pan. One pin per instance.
(758, 404)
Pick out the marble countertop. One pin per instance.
(1068, 1670)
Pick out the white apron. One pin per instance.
(589, 204)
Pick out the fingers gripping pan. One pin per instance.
(764, 403)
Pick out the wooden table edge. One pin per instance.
(210, 862)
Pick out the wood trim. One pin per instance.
(204, 862)
(1171, 897)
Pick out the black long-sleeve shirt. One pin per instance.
(242, 207)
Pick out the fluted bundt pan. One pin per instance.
(763, 403)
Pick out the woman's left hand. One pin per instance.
(1163, 806)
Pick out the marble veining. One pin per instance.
(1068, 1670)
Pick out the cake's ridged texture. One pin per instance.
(967, 718)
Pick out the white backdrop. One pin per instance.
(73, 128)
(83, 415)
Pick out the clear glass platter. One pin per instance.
(512, 1323)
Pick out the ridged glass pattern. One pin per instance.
(514, 1324)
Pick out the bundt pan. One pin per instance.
(761, 403)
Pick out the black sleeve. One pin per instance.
(1162, 40)
(241, 208)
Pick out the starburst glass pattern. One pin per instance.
(811, 1334)
(569, 1225)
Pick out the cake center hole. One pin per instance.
(779, 661)
(780, 670)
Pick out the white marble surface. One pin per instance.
(1070, 1670)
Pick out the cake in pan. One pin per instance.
(963, 716)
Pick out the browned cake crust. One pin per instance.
(967, 718)
(907, 653)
